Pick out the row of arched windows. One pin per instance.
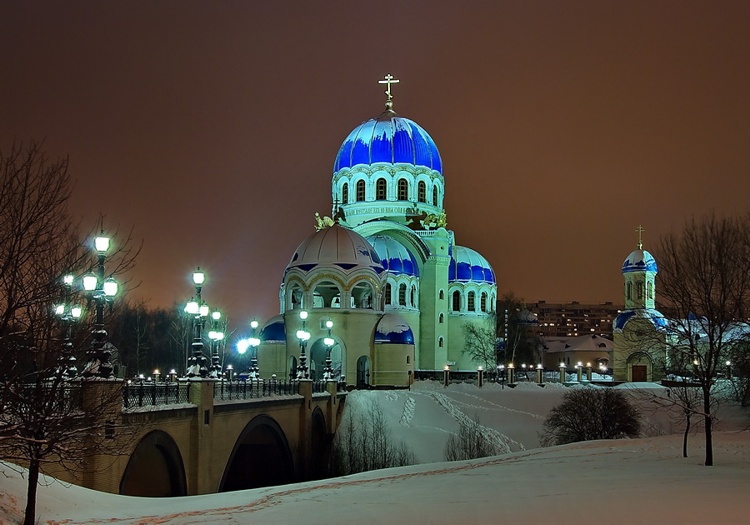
(463, 301)
(401, 294)
(402, 192)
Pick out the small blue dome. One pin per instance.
(394, 256)
(468, 265)
(274, 330)
(650, 314)
(639, 261)
(393, 329)
(391, 139)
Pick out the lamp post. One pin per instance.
(540, 374)
(198, 309)
(329, 342)
(98, 363)
(302, 336)
(251, 342)
(68, 313)
(480, 376)
(215, 335)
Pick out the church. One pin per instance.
(381, 290)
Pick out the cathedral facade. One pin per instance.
(382, 288)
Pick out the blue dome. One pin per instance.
(391, 139)
(639, 261)
(651, 315)
(274, 330)
(468, 265)
(393, 329)
(394, 256)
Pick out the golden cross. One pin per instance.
(388, 81)
(640, 231)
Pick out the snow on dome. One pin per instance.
(651, 315)
(390, 139)
(468, 265)
(639, 261)
(335, 246)
(273, 330)
(393, 329)
(394, 255)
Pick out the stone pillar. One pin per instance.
(199, 464)
(305, 389)
(539, 375)
(480, 376)
(102, 397)
(562, 374)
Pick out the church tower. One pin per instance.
(640, 327)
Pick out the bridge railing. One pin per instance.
(228, 390)
(151, 394)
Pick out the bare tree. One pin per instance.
(704, 282)
(45, 418)
(481, 342)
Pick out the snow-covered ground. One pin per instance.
(618, 482)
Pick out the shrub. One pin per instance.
(363, 442)
(469, 443)
(586, 414)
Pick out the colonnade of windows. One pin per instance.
(402, 292)
(384, 189)
(472, 300)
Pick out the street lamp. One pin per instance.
(302, 336)
(68, 313)
(198, 309)
(251, 342)
(102, 291)
(329, 342)
(215, 335)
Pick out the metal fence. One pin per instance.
(227, 390)
(151, 394)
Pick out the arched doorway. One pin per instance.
(640, 367)
(155, 468)
(260, 458)
(318, 356)
(363, 372)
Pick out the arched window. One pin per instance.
(483, 302)
(422, 191)
(629, 290)
(440, 318)
(345, 193)
(413, 296)
(650, 290)
(435, 195)
(402, 294)
(403, 190)
(639, 289)
(441, 294)
(471, 305)
(360, 191)
(440, 342)
(388, 293)
(380, 189)
(456, 301)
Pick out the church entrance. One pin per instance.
(363, 372)
(640, 373)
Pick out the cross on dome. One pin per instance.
(640, 231)
(388, 81)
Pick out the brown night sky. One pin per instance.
(212, 127)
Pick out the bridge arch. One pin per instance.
(261, 457)
(155, 468)
(320, 442)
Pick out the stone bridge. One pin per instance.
(207, 436)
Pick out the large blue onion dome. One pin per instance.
(273, 330)
(651, 315)
(639, 261)
(394, 255)
(335, 246)
(393, 329)
(391, 139)
(468, 265)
